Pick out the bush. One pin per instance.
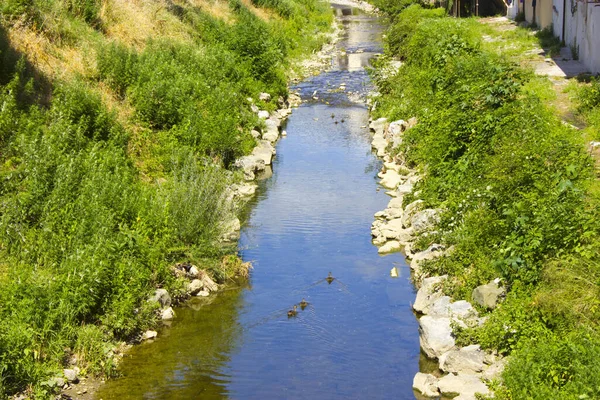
(117, 66)
(403, 27)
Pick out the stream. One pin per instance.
(358, 337)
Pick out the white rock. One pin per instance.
(203, 293)
(405, 188)
(410, 211)
(396, 202)
(433, 251)
(149, 335)
(194, 286)
(264, 151)
(167, 314)
(426, 384)
(379, 143)
(392, 165)
(71, 375)
(264, 96)
(436, 336)
(428, 293)
(390, 247)
(250, 164)
(263, 114)
(379, 241)
(271, 133)
(255, 134)
(396, 127)
(425, 220)
(244, 190)
(462, 385)
(391, 179)
(461, 312)
(209, 284)
(465, 397)
(193, 272)
(468, 360)
(283, 133)
(488, 295)
(393, 229)
(161, 296)
(378, 125)
(495, 370)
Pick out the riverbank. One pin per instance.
(119, 129)
(496, 206)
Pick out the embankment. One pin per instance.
(120, 124)
(495, 198)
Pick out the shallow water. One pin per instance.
(358, 337)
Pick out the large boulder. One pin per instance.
(425, 220)
(468, 360)
(194, 286)
(395, 128)
(244, 190)
(208, 284)
(249, 165)
(71, 375)
(488, 295)
(390, 247)
(426, 384)
(428, 293)
(393, 230)
(433, 251)
(264, 151)
(410, 211)
(436, 336)
(271, 132)
(462, 385)
(405, 188)
(379, 143)
(161, 296)
(378, 126)
(167, 314)
(494, 371)
(461, 312)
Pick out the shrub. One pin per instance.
(117, 66)
(588, 97)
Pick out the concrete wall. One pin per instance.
(543, 12)
(582, 29)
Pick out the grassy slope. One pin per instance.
(118, 121)
(518, 191)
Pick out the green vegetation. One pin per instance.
(114, 161)
(515, 185)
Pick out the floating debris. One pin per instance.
(394, 272)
